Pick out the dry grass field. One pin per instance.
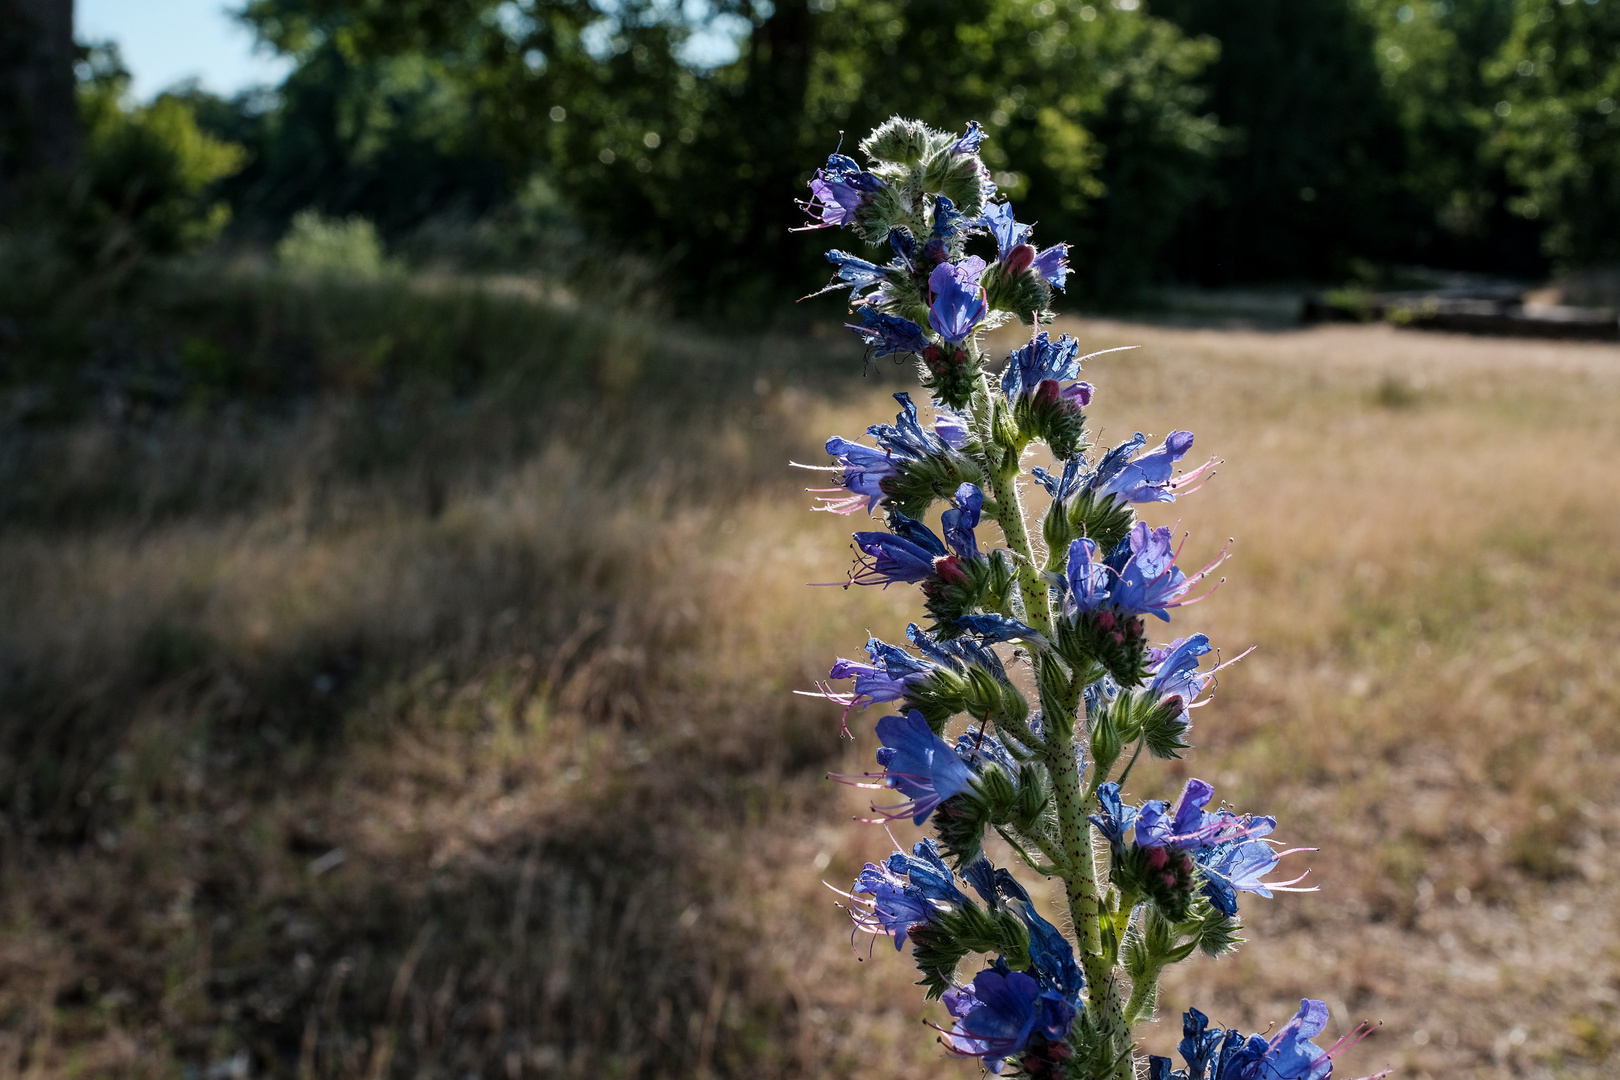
(453, 735)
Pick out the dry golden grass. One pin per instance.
(494, 768)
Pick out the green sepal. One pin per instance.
(939, 946)
(1163, 876)
(1104, 640)
(960, 178)
(939, 696)
(963, 586)
(1214, 933)
(1057, 699)
(916, 485)
(1106, 520)
(950, 373)
(898, 141)
(1140, 714)
(1025, 294)
(1058, 423)
(874, 218)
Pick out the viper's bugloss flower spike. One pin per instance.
(1066, 615)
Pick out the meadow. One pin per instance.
(407, 711)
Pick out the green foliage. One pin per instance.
(1555, 126)
(148, 171)
(332, 246)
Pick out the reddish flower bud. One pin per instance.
(1018, 260)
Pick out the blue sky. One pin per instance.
(166, 41)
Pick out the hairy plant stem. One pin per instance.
(1078, 867)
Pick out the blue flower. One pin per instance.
(856, 272)
(1039, 360)
(1241, 864)
(1117, 816)
(947, 223)
(895, 907)
(960, 521)
(993, 627)
(1148, 478)
(918, 764)
(928, 872)
(890, 558)
(889, 677)
(1000, 1012)
(866, 468)
(1087, 578)
(1061, 485)
(957, 652)
(969, 142)
(1050, 954)
(1212, 1054)
(959, 303)
(886, 334)
(838, 191)
(998, 218)
(1053, 264)
(1148, 580)
(950, 426)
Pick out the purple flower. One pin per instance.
(1087, 578)
(889, 677)
(865, 469)
(1053, 264)
(969, 142)
(950, 426)
(998, 1014)
(959, 303)
(1050, 954)
(1148, 478)
(1148, 580)
(838, 191)
(886, 334)
(919, 764)
(957, 652)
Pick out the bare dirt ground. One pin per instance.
(496, 770)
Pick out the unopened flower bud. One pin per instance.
(1018, 260)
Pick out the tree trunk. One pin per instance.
(39, 113)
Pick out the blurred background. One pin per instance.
(402, 584)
